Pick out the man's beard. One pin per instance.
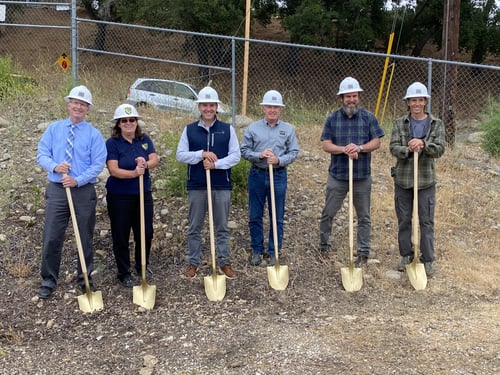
(350, 111)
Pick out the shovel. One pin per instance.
(90, 301)
(415, 270)
(143, 295)
(215, 284)
(277, 275)
(352, 277)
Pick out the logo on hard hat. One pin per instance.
(128, 110)
(81, 94)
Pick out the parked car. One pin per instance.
(166, 95)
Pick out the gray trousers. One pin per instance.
(57, 216)
(336, 191)
(403, 202)
(198, 207)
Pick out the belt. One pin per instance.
(267, 169)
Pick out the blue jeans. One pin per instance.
(258, 191)
(336, 190)
(198, 207)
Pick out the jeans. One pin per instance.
(403, 202)
(124, 214)
(258, 191)
(198, 207)
(336, 191)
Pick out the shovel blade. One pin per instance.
(278, 276)
(352, 278)
(90, 302)
(144, 295)
(416, 274)
(215, 287)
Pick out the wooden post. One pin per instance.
(450, 39)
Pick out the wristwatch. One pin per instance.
(361, 148)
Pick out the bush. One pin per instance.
(491, 130)
(13, 85)
(172, 175)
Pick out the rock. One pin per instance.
(3, 123)
(392, 274)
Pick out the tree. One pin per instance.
(222, 17)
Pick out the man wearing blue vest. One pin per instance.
(208, 144)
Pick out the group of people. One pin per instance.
(74, 153)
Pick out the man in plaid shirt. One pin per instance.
(417, 131)
(350, 132)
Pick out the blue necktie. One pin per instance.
(70, 143)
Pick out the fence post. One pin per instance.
(74, 42)
(429, 84)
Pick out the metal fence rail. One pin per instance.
(307, 76)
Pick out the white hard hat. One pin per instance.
(208, 95)
(416, 90)
(80, 93)
(348, 85)
(125, 110)
(272, 97)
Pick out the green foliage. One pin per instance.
(171, 176)
(491, 129)
(14, 85)
(239, 176)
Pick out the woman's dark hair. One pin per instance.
(116, 130)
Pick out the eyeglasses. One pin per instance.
(77, 103)
(125, 120)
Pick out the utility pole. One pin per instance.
(451, 26)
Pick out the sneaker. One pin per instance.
(429, 270)
(256, 259)
(190, 271)
(44, 292)
(127, 281)
(361, 261)
(228, 271)
(407, 259)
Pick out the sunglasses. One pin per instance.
(125, 120)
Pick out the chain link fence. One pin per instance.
(308, 77)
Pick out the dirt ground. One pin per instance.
(312, 327)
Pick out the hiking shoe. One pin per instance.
(149, 273)
(324, 247)
(272, 262)
(407, 259)
(361, 261)
(256, 259)
(91, 287)
(429, 270)
(228, 271)
(190, 271)
(127, 281)
(44, 292)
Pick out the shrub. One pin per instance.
(13, 85)
(172, 175)
(491, 129)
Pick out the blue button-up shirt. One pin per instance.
(89, 151)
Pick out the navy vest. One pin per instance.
(216, 140)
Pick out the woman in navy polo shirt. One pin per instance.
(131, 153)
